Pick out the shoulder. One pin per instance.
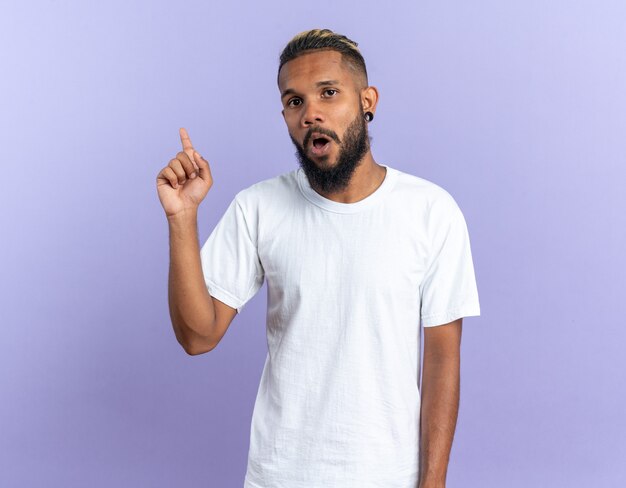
(430, 196)
(268, 198)
(276, 186)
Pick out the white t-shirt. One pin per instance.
(338, 404)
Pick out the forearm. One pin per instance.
(191, 307)
(439, 410)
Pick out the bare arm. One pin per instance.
(199, 320)
(440, 393)
(192, 309)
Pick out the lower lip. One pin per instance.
(320, 151)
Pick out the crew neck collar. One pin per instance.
(338, 207)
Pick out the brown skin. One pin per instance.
(440, 401)
(331, 106)
(199, 320)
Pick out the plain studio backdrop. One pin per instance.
(517, 108)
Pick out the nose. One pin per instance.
(311, 115)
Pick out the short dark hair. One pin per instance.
(324, 39)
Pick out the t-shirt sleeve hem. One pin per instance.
(432, 320)
(224, 296)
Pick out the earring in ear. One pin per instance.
(369, 116)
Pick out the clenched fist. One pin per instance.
(185, 181)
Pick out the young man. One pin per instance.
(355, 254)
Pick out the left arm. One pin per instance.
(440, 393)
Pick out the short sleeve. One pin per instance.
(448, 290)
(230, 262)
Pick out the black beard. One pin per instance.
(355, 145)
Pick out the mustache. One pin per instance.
(326, 132)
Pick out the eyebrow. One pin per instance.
(290, 91)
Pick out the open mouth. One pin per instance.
(319, 144)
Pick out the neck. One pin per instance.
(365, 180)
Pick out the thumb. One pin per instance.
(203, 167)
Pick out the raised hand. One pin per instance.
(185, 181)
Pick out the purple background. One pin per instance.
(517, 108)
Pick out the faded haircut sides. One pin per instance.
(325, 39)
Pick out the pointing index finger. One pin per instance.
(184, 138)
(187, 146)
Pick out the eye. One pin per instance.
(291, 101)
(332, 91)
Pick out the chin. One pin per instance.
(324, 162)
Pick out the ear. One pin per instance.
(283, 113)
(369, 99)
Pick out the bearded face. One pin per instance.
(324, 174)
